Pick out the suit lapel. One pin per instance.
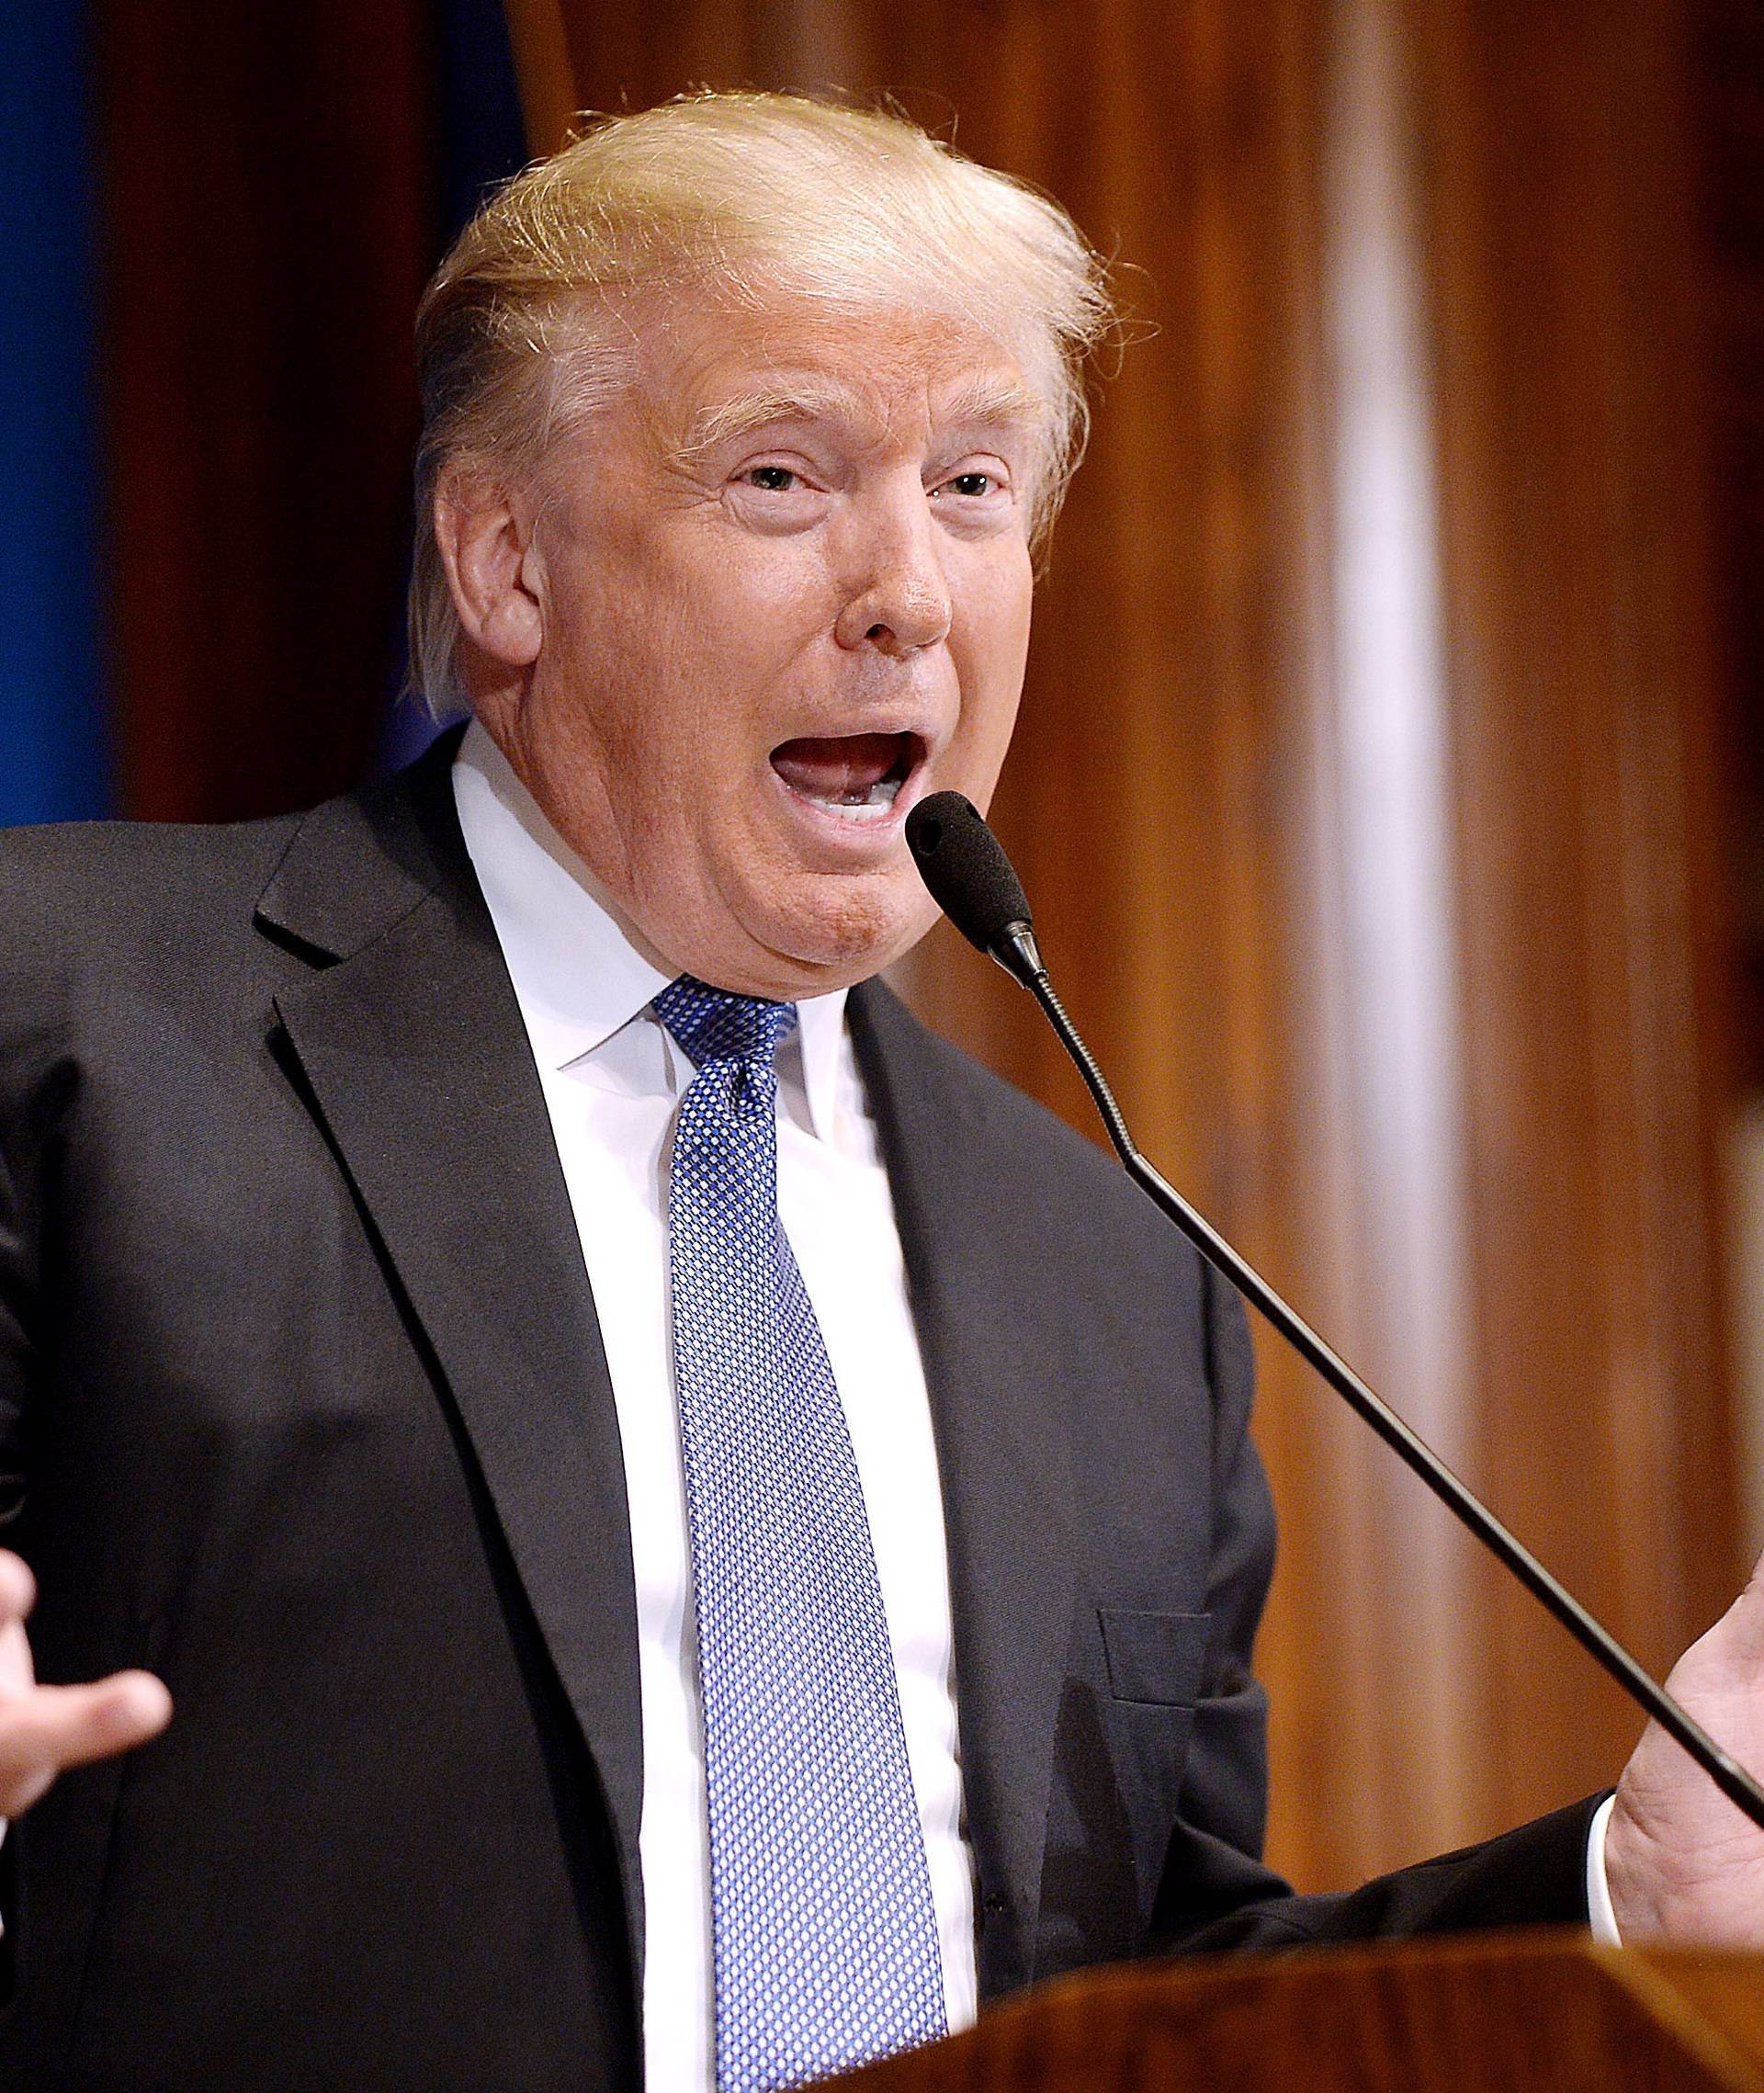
(411, 1045)
(1002, 1450)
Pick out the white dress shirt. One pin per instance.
(612, 1077)
(1601, 1917)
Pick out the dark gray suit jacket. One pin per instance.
(302, 1404)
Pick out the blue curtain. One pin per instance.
(54, 760)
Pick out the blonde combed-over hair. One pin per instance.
(746, 197)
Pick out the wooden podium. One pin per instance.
(1512, 2012)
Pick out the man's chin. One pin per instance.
(835, 942)
(801, 935)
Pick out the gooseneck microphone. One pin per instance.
(971, 879)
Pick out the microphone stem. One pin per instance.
(1725, 1771)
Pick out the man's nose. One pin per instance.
(902, 602)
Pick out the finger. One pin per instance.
(54, 1728)
(125, 1710)
(18, 1587)
(17, 1673)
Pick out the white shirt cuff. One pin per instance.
(1600, 1916)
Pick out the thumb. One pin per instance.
(1741, 1627)
(1726, 1664)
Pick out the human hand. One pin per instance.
(46, 1729)
(1681, 1861)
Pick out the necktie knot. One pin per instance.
(712, 1024)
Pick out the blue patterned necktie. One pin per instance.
(823, 1930)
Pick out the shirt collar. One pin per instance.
(580, 971)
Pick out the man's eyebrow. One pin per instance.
(991, 402)
(798, 400)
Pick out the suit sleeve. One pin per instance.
(27, 1112)
(1217, 1893)
(15, 1289)
(27, 1117)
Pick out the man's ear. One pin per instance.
(485, 539)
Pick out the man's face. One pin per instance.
(782, 592)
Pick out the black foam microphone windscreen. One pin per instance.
(964, 864)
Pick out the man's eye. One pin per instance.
(972, 486)
(771, 479)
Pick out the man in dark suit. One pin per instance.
(346, 1170)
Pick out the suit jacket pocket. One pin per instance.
(1159, 1658)
(1119, 1763)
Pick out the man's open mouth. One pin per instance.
(856, 776)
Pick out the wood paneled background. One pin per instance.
(1727, 90)
(1376, 776)
(264, 189)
